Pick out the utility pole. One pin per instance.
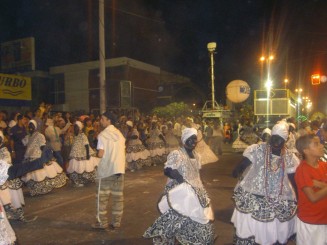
(102, 58)
(211, 48)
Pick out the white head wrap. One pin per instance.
(129, 123)
(34, 123)
(79, 124)
(266, 131)
(187, 133)
(281, 129)
(12, 123)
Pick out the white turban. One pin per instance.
(12, 123)
(129, 123)
(187, 133)
(266, 131)
(34, 123)
(79, 124)
(281, 129)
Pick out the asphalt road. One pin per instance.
(65, 215)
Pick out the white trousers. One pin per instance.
(310, 234)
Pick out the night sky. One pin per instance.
(173, 34)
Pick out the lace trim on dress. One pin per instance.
(262, 208)
(171, 225)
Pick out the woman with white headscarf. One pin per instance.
(186, 213)
(265, 199)
(137, 155)
(11, 194)
(82, 164)
(156, 143)
(44, 180)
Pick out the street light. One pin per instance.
(211, 48)
(286, 82)
(268, 60)
(269, 83)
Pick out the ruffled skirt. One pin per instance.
(11, 192)
(137, 156)
(44, 180)
(15, 197)
(207, 155)
(259, 220)
(251, 231)
(238, 145)
(82, 171)
(158, 155)
(183, 218)
(7, 234)
(172, 226)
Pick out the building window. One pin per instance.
(59, 89)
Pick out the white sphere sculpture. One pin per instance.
(237, 91)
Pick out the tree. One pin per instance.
(172, 110)
(246, 113)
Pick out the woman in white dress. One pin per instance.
(11, 172)
(44, 180)
(207, 155)
(11, 194)
(265, 201)
(172, 142)
(246, 137)
(156, 145)
(186, 213)
(137, 155)
(83, 161)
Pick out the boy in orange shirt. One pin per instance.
(311, 181)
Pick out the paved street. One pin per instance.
(65, 215)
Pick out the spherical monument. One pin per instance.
(237, 91)
(323, 79)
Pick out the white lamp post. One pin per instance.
(211, 48)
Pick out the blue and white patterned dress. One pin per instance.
(44, 180)
(186, 213)
(80, 169)
(265, 201)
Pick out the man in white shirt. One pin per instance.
(110, 173)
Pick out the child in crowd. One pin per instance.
(311, 181)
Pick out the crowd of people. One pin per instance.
(44, 150)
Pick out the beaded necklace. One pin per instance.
(269, 167)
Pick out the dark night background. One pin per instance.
(173, 34)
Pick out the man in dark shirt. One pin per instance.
(17, 134)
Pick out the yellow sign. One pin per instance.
(15, 87)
